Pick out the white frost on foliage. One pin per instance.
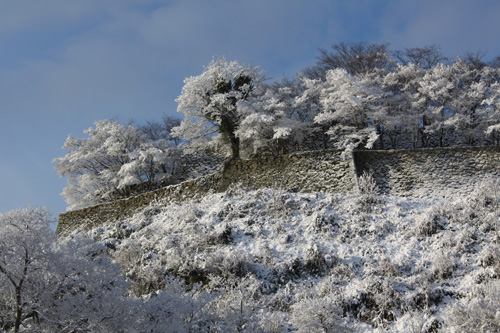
(282, 132)
(113, 156)
(204, 107)
(319, 261)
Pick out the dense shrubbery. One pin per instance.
(261, 260)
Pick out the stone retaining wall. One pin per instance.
(120, 209)
(428, 172)
(315, 171)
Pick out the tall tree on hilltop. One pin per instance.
(347, 108)
(211, 103)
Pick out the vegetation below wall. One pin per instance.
(264, 260)
(269, 260)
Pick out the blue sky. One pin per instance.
(66, 64)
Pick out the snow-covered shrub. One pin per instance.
(315, 260)
(478, 312)
(228, 265)
(224, 236)
(173, 309)
(443, 265)
(385, 267)
(315, 314)
(281, 203)
(416, 322)
(380, 302)
(490, 257)
(123, 230)
(274, 321)
(367, 185)
(427, 224)
(368, 189)
(149, 280)
(128, 255)
(237, 308)
(288, 270)
(487, 194)
(323, 221)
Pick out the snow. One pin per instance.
(389, 263)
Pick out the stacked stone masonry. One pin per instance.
(436, 172)
(432, 172)
(317, 171)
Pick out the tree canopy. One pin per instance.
(212, 103)
(357, 96)
(111, 160)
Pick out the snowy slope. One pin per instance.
(272, 260)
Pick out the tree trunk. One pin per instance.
(19, 310)
(235, 147)
(227, 128)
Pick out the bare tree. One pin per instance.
(495, 63)
(156, 130)
(475, 60)
(425, 57)
(355, 58)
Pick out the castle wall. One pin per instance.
(121, 209)
(432, 172)
(429, 172)
(315, 171)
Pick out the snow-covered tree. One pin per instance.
(346, 104)
(274, 123)
(211, 103)
(308, 105)
(455, 98)
(398, 117)
(48, 284)
(436, 89)
(113, 157)
(492, 107)
(24, 243)
(469, 119)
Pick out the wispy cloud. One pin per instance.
(457, 26)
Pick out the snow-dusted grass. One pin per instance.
(277, 261)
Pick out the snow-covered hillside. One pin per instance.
(274, 261)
